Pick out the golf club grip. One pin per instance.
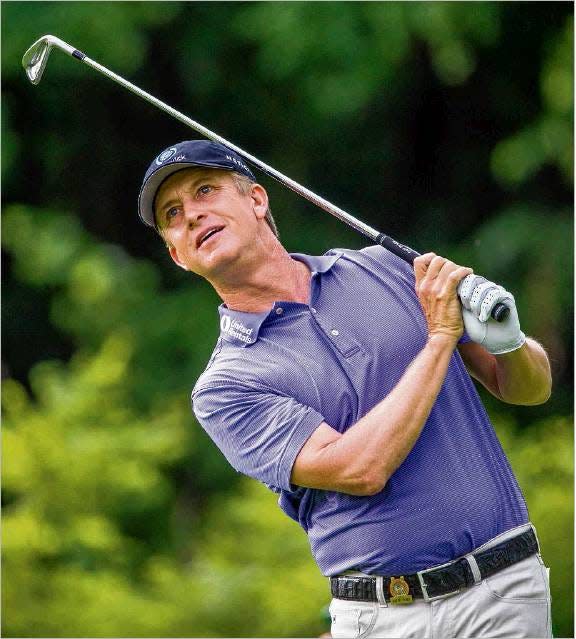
(500, 311)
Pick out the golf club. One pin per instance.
(34, 63)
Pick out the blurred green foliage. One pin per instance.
(446, 124)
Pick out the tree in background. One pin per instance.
(448, 125)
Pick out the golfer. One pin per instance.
(343, 383)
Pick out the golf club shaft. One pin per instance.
(373, 234)
(499, 312)
(401, 250)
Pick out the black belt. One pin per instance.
(440, 581)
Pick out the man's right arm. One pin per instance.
(360, 461)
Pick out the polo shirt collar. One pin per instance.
(318, 263)
(241, 328)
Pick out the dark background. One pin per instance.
(448, 125)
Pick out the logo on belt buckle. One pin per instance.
(399, 591)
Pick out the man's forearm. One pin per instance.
(523, 376)
(372, 449)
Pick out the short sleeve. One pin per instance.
(259, 432)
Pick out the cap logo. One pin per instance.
(166, 155)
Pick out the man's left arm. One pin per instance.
(521, 376)
(512, 367)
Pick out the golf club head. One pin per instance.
(35, 58)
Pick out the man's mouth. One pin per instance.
(207, 235)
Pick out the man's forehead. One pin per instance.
(191, 175)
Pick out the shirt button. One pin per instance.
(313, 310)
(335, 332)
(279, 311)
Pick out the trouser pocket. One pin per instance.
(352, 619)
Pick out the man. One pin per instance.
(340, 382)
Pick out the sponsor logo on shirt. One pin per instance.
(236, 329)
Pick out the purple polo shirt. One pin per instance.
(275, 376)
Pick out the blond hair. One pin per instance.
(243, 183)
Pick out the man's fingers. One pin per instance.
(494, 296)
(440, 270)
(428, 268)
(421, 264)
(437, 275)
(457, 275)
(436, 284)
(479, 296)
(467, 287)
(439, 266)
(447, 280)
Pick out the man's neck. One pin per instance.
(278, 277)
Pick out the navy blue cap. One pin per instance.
(187, 154)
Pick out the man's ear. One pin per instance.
(175, 258)
(259, 200)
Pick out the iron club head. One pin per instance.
(35, 58)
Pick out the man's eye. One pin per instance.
(204, 189)
(172, 213)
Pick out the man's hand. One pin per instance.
(479, 297)
(437, 282)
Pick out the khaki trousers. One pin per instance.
(514, 602)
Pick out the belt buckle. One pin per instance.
(425, 587)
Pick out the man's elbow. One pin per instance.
(370, 485)
(540, 398)
(545, 393)
(357, 481)
(534, 398)
(373, 489)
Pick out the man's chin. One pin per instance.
(219, 261)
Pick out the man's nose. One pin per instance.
(193, 213)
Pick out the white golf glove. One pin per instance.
(479, 296)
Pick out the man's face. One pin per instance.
(207, 222)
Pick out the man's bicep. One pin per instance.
(323, 463)
(312, 468)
